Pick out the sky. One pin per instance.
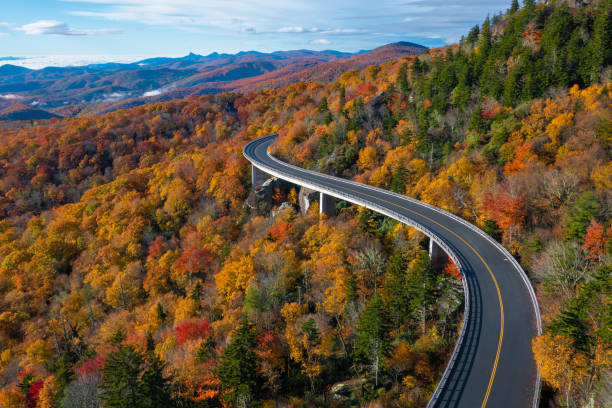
(76, 32)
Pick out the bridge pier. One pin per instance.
(438, 257)
(327, 205)
(257, 177)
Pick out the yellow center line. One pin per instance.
(501, 303)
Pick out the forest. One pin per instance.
(138, 268)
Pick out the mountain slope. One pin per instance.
(23, 112)
(124, 85)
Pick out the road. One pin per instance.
(492, 364)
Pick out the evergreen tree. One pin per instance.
(584, 210)
(238, 368)
(64, 374)
(154, 386)
(117, 337)
(323, 105)
(600, 47)
(512, 90)
(396, 290)
(398, 182)
(121, 386)
(513, 7)
(402, 79)
(473, 35)
(161, 313)
(484, 46)
(373, 331)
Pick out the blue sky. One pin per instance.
(61, 32)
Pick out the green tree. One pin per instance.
(402, 79)
(154, 386)
(121, 385)
(396, 289)
(398, 181)
(600, 46)
(323, 105)
(513, 7)
(373, 331)
(473, 35)
(585, 209)
(238, 368)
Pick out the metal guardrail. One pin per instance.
(438, 240)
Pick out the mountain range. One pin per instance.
(98, 88)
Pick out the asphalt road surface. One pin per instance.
(492, 366)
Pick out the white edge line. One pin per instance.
(500, 247)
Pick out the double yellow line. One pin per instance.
(501, 303)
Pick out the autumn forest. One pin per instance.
(140, 268)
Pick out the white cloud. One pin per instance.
(291, 30)
(52, 27)
(380, 21)
(154, 92)
(114, 97)
(37, 62)
(10, 97)
(320, 41)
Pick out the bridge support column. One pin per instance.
(327, 205)
(437, 255)
(257, 177)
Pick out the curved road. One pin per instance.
(492, 364)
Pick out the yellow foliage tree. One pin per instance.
(186, 308)
(560, 364)
(12, 397)
(367, 158)
(235, 276)
(441, 193)
(47, 393)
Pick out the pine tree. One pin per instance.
(600, 46)
(121, 386)
(584, 210)
(402, 79)
(117, 337)
(238, 368)
(513, 7)
(155, 387)
(398, 182)
(512, 90)
(323, 105)
(484, 46)
(396, 290)
(373, 331)
(473, 35)
(161, 313)
(529, 5)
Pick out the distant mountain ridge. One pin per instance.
(23, 112)
(118, 85)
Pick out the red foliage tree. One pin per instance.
(507, 209)
(193, 261)
(451, 269)
(595, 240)
(33, 391)
(192, 330)
(280, 232)
(92, 366)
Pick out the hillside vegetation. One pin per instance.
(133, 272)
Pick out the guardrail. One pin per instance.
(406, 220)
